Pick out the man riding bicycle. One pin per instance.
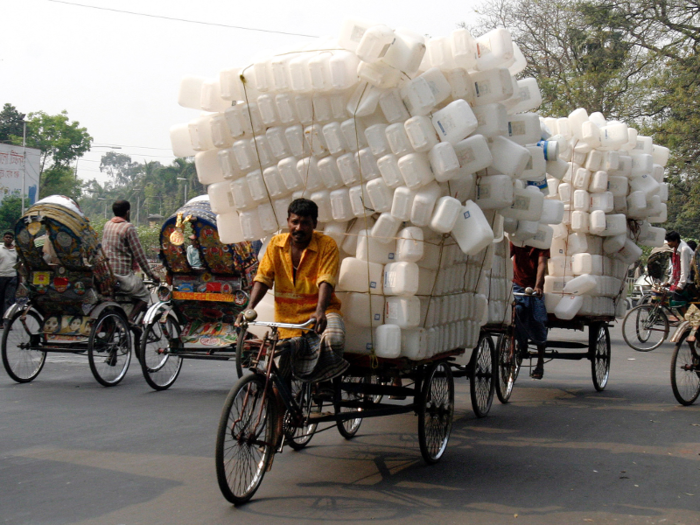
(529, 268)
(303, 265)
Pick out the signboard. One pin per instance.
(18, 165)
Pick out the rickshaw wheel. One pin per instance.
(159, 365)
(109, 348)
(299, 436)
(349, 427)
(435, 411)
(245, 439)
(508, 367)
(481, 383)
(685, 372)
(21, 363)
(599, 352)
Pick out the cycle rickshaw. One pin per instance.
(195, 312)
(66, 301)
(253, 426)
(596, 349)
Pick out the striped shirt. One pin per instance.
(123, 248)
(296, 301)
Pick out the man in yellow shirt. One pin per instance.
(303, 266)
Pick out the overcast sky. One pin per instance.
(118, 74)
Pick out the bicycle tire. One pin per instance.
(245, 439)
(685, 370)
(645, 327)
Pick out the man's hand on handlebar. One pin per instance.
(321, 321)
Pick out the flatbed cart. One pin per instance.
(596, 350)
(266, 410)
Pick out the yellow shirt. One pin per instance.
(295, 301)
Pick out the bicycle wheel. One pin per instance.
(245, 439)
(349, 427)
(109, 348)
(435, 412)
(299, 436)
(21, 362)
(645, 327)
(685, 372)
(159, 365)
(481, 383)
(508, 366)
(599, 352)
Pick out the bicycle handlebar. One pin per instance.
(291, 326)
(529, 292)
(250, 315)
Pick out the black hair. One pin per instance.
(303, 208)
(692, 245)
(673, 236)
(120, 208)
(8, 232)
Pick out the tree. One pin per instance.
(60, 180)
(10, 212)
(578, 59)
(59, 140)
(120, 168)
(11, 124)
(669, 31)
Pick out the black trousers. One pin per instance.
(8, 289)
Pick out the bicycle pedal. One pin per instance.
(319, 415)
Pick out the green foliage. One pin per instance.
(11, 127)
(669, 32)
(150, 240)
(59, 140)
(60, 180)
(150, 187)
(10, 212)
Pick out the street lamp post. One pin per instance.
(186, 181)
(103, 199)
(24, 155)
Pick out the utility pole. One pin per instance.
(24, 162)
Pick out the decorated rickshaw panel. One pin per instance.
(208, 305)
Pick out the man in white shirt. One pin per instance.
(679, 278)
(8, 272)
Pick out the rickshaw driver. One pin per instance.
(303, 265)
(123, 249)
(529, 268)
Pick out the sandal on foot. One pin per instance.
(537, 373)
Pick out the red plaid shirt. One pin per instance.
(123, 248)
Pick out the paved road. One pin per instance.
(72, 451)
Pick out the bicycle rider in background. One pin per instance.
(679, 282)
(529, 268)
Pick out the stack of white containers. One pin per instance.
(500, 276)
(415, 152)
(611, 183)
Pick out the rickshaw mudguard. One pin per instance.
(101, 307)
(17, 307)
(682, 328)
(156, 310)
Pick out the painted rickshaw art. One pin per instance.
(66, 300)
(196, 311)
